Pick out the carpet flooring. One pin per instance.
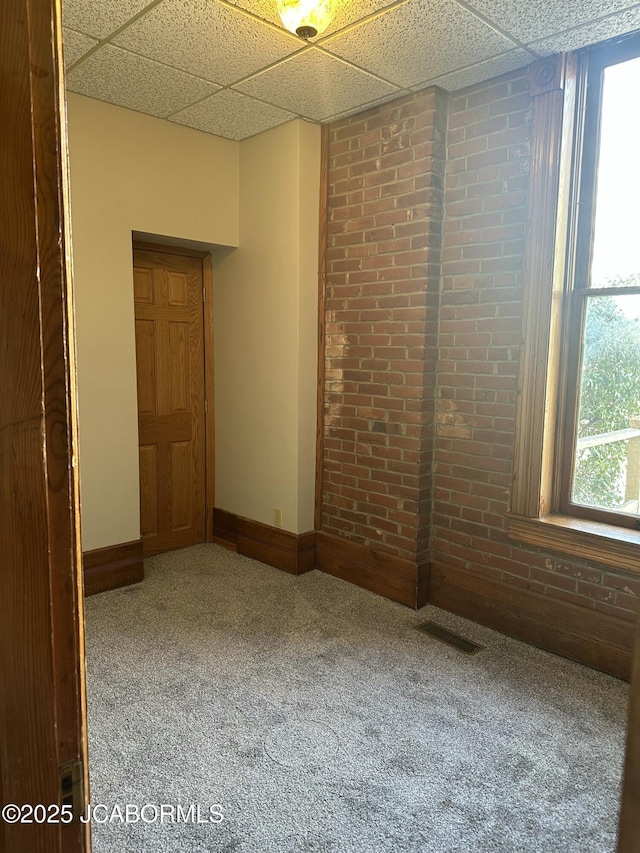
(318, 719)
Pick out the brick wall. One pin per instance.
(403, 279)
(386, 172)
(480, 322)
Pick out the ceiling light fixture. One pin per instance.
(306, 18)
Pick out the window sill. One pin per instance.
(590, 540)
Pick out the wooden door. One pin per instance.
(42, 701)
(168, 293)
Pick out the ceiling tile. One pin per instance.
(265, 9)
(316, 85)
(486, 70)
(349, 11)
(362, 108)
(207, 38)
(419, 40)
(169, 58)
(612, 25)
(99, 18)
(232, 115)
(75, 46)
(345, 11)
(119, 77)
(529, 20)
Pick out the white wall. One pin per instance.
(266, 333)
(308, 247)
(134, 173)
(129, 172)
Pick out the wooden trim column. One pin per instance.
(553, 89)
(629, 830)
(210, 395)
(43, 708)
(322, 272)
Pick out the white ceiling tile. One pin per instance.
(207, 38)
(486, 70)
(529, 20)
(175, 46)
(265, 9)
(119, 77)
(349, 11)
(612, 25)
(316, 85)
(345, 11)
(99, 18)
(361, 108)
(232, 115)
(419, 40)
(75, 46)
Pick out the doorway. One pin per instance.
(175, 435)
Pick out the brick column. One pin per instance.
(386, 175)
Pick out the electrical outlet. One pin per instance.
(277, 516)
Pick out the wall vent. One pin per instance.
(448, 637)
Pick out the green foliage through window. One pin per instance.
(609, 397)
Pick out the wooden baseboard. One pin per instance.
(424, 582)
(371, 568)
(588, 636)
(291, 552)
(112, 567)
(225, 526)
(306, 546)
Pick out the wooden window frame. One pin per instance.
(559, 92)
(580, 249)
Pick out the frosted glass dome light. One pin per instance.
(306, 18)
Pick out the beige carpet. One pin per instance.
(320, 720)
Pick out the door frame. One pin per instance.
(629, 824)
(209, 387)
(43, 720)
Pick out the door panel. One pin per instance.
(145, 360)
(178, 290)
(181, 465)
(148, 490)
(170, 372)
(179, 383)
(143, 286)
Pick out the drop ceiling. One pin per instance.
(231, 69)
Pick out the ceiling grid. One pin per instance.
(229, 67)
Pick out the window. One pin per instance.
(576, 481)
(600, 453)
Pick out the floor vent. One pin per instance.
(449, 638)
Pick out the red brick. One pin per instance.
(384, 303)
